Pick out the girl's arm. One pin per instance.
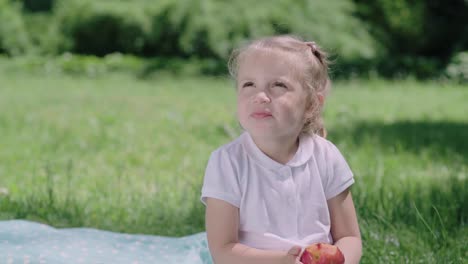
(222, 225)
(344, 226)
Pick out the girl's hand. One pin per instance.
(293, 256)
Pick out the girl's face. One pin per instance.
(271, 99)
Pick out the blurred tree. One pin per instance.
(14, 39)
(429, 31)
(38, 5)
(86, 29)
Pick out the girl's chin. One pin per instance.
(262, 126)
(268, 131)
(262, 131)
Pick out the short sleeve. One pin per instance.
(340, 176)
(221, 180)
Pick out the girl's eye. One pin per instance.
(247, 84)
(280, 84)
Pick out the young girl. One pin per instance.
(280, 186)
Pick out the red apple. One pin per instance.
(320, 253)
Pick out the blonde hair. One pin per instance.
(315, 74)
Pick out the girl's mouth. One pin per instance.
(260, 115)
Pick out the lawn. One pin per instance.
(128, 155)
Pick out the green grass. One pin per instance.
(129, 155)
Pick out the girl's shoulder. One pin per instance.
(320, 144)
(232, 152)
(323, 150)
(233, 147)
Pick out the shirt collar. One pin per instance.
(303, 153)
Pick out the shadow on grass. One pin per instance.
(415, 218)
(445, 138)
(436, 205)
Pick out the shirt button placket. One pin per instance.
(290, 186)
(291, 194)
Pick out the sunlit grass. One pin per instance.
(129, 155)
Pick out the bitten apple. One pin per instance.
(321, 253)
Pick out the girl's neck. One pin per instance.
(281, 150)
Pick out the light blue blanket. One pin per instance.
(29, 242)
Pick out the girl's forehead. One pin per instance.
(269, 63)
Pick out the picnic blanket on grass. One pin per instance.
(29, 242)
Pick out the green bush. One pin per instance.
(14, 39)
(457, 70)
(90, 29)
(93, 66)
(208, 28)
(74, 65)
(416, 36)
(389, 38)
(38, 5)
(418, 27)
(43, 32)
(213, 28)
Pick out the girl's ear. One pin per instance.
(312, 108)
(321, 99)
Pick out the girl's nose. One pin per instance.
(261, 98)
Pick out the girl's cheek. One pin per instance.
(243, 98)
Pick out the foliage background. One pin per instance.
(387, 38)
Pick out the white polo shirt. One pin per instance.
(279, 205)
